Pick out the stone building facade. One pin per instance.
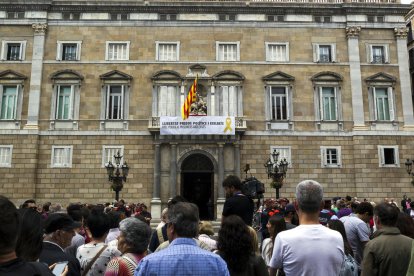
(326, 83)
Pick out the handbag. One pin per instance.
(88, 267)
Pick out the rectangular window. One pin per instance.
(375, 19)
(68, 50)
(168, 17)
(64, 102)
(71, 16)
(119, 16)
(15, 15)
(228, 101)
(324, 53)
(388, 156)
(279, 103)
(61, 156)
(8, 104)
(115, 102)
(167, 100)
(284, 153)
(331, 157)
(108, 153)
(322, 19)
(167, 51)
(6, 156)
(117, 50)
(328, 104)
(228, 51)
(277, 52)
(383, 104)
(378, 54)
(276, 18)
(227, 17)
(13, 50)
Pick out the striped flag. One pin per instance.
(191, 97)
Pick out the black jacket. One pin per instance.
(52, 253)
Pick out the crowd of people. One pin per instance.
(309, 236)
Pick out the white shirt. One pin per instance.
(113, 234)
(357, 232)
(308, 250)
(267, 245)
(87, 252)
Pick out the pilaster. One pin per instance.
(156, 200)
(36, 75)
(352, 33)
(405, 82)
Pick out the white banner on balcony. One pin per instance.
(197, 125)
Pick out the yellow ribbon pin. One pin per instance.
(228, 125)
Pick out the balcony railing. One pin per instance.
(154, 124)
(288, 1)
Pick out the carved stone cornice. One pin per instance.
(39, 28)
(401, 32)
(353, 31)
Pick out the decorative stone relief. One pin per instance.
(39, 28)
(352, 31)
(183, 150)
(401, 32)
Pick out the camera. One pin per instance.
(253, 188)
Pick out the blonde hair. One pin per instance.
(255, 240)
(206, 227)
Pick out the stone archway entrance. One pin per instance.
(197, 184)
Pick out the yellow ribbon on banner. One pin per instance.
(228, 125)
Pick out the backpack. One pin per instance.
(349, 267)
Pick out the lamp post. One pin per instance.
(114, 174)
(409, 168)
(276, 170)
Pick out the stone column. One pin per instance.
(36, 75)
(156, 191)
(405, 82)
(220, 196)
(173, 170)
(352, 34)
(237, 159)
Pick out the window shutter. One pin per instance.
(374, 97)
(71, 102)
(59, 51)
(171, 100)
(336, 103)
(371, 54)
(57, 101)
(232, 101)
(391, 103)
(16, 97)
(386, 54)
(78, 51)
(4, 50)
(22, 55)
(268, 106)
(1, 98)
(333, 52)
(315, 52)
(122, 101)
(382, 158)
(324, 160)
(287, 93)
(107, 96)
(225, 101)
(321, 115)
(162, 98)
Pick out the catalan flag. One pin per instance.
(191, 97)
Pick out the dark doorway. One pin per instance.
(197, 184)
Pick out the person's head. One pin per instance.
(406, 224)
(385, 215)
(354, 206)
(59, 228)
(235, 243)
(327, 204)
(45, 207)
(114, 218)
(255, 239)
(164, 215)
(290, 211)
(231, 184)
(183, 220)
(404, 196)
(309, 195)
(175, 200)
(348, 198)
(275, 225)
(9, 226)
(143, 207)
(98, 223)
(134, 236)
(30, 203)
(337, 225)
(30, 238)
(365, 211)
(206, 228)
